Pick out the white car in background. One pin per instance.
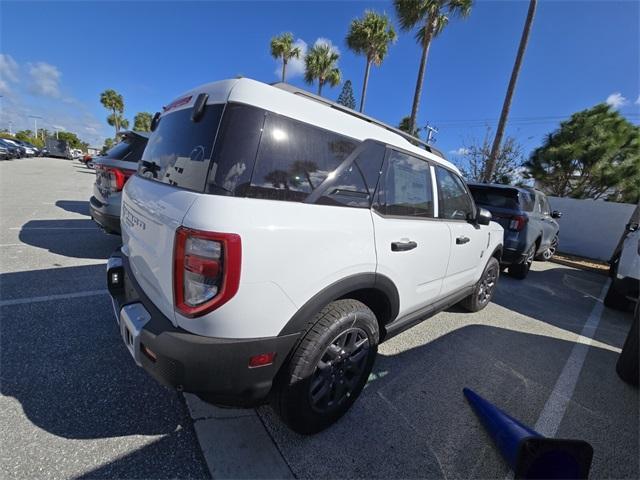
(625, 271)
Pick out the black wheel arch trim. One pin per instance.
(298, 322)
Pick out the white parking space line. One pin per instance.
(48, 298)
(556, 406)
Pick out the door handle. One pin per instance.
(462, 240)
(403, 246)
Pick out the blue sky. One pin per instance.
(57, 57)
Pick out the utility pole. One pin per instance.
(504, 114)
(431, 132)
(35, 123)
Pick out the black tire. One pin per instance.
(521, 270)
(485, 288)
(615, 299)
(327, 371)
(549, 252)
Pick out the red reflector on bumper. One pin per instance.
(262, 360)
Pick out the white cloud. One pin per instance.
(45, 79)
(326, 41)
(459, 151)
(295, 66)
(616, 100)
(9, 72)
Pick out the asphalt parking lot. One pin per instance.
(72, 403)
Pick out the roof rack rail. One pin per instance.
(303, 93)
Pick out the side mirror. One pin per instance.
(556, 214)
(631, 227)
(483, 217)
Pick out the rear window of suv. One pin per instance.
(129, 150)
(496, 197)
(179, 150)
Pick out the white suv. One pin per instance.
(272, 239)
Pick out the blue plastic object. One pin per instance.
(529, 454)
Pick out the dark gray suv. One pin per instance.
(530, 227)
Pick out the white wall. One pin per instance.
(590, 228)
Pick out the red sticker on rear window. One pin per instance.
(177, 103)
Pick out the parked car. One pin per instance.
(625, 271)
(20, 150)
(530, 227)
(29, 149)
(112, 172)
(266, 262)
(4, 152)
(14, 150)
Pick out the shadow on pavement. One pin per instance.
(65, 363)
(71, 238)
(547, 295)
(74, 206)
(412, 420)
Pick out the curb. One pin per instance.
(235, 443)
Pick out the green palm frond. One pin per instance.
(282, 45)
(371, 36)
(321, 64)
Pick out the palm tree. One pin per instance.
(282, 47)
(370, 36)
(506, 106)
(113, 101)
(321, 63)
(432, 16)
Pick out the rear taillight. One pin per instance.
(206, 270)
(518, 222)
(117, 177)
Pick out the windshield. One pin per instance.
(179, 150)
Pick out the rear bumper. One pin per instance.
(111, 223)
(215, 369)
(511, 256)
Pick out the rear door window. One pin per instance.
(294, 158)
(407, 188)
(179, 150)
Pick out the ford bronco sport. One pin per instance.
(272, 239)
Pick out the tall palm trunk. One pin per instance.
(428, 35)
(117, 122)
(320, 84)
(284, 69)
(365, 83)
(506, 106)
